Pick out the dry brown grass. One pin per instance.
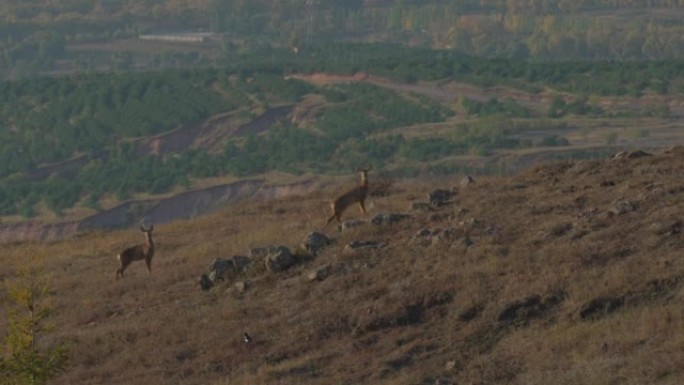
(507, 309)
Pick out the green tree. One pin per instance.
(25, 360)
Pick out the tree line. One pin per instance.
(35, 36)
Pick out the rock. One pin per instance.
(314, 242)
(466, 241)
(205, 283)
(363, 245)
(467, 180)
(443, 381)
(630, 154)
(425, 233)
(522, 309)
(441, 197)
(382, 219)
(258, 253)
(668, 228)
(425, 236)
(350, 224)
(600, 307)
(242, 263)
(319, 273)
(620, 207)
(441, 217)
(421, 207)
(220, 268)
(242, 286)
(279, 259)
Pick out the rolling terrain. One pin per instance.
(587, 137)
(566, 272)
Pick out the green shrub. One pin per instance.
(28, 311)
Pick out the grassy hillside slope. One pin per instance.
(567, 273)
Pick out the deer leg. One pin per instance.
(122, 267)
(120, 271)
(148, 261)
(335, 214)
(363, 208)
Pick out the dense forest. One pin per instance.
(68, 35)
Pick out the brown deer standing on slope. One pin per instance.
(138, 252)
(356, 195)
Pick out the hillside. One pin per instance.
(565, 273)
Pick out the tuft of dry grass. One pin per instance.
(567, 273)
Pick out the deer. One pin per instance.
(356, 195)
(138, 252)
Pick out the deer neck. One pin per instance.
(364, 180)
(149, 243)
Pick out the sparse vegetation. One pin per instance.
(529, 280)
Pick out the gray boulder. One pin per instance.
(220, 269)
(279, 259)
(314, 242)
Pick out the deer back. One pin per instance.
(354, 195)
(136, 253)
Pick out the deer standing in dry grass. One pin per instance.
(138, 252)
(356, 195)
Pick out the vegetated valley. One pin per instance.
(103, 150)
(568, 272)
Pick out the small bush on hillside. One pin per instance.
(24, 361)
